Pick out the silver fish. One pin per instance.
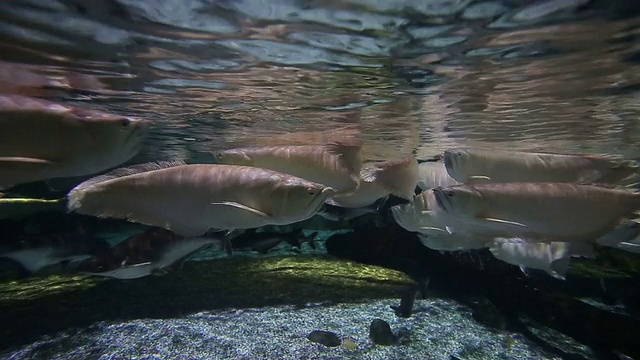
(42, 140)
(538, 211)
(479, 165)
(433, 174)
(552, 257)
(336, 165)
(173, 253)
(35, 259)
(423, 216)
(378, 180)
(191, 199)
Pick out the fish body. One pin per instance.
(336, 165)
(537, 211)
(433, 174)
(378, 180)
(127, 272)
(191, 199)
(551, 257)
(168, 255)
(42, 140)
(478, 165)
(422, 215)
(35, 259)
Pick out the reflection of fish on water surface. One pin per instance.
(41, 140)
(191, 199)
(336, 164)
(479, 165)
(552, 257)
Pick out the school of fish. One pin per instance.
(534, 210)
(530, 209)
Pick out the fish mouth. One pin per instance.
(321, 197)
(449, 161)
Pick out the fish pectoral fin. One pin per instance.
(243, 207)
(480, 177)
(501, 221)
(26, 160)
(427, 228)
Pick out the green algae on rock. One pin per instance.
(67, 301)
(20, 208)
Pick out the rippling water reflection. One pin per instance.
(559, 75)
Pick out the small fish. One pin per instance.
(544, 212)
(336, 165)
(552, 257)
(478, 166)
(191, 199)
(433, 174)
(378, 180)
(35, 259)
(264, 241)
(41, 140)
(168, 256)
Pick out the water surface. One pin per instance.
(423, 76)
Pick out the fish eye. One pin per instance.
(311, 191)
(125, 122)
(449, 193)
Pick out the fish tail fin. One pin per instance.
(399, 177)
(350, 156)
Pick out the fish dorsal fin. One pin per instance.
(128, 171)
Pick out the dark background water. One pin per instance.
(411, 75)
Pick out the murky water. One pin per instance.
(422, 76)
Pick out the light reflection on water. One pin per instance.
(420, 76)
